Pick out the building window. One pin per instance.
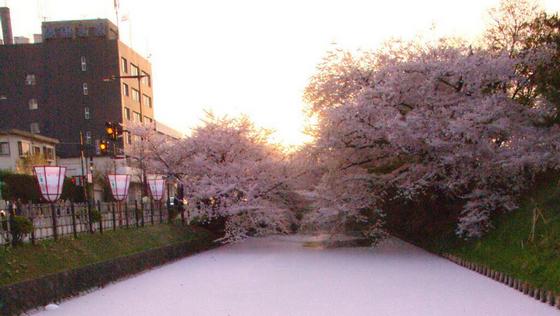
(124, 65)
(84, 63)
(147, 100)
(135, 95)
(30, 80)
(133, 69)
(4, 149)
(33, 105)
(137, 117)
(125, 89)
(35, 128)
(127, 113)
(49, 153)
(36, 151)
(23, 148)
(148, 120)
(128, 138)
(146, 80)
(86, 113)
(85, 88)
(88, 137)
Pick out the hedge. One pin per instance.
(24, 187)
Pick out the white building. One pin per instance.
(16, 145)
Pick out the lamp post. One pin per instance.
(119, 184)
(50, 180)
(156, 184)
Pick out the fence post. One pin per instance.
(112, 205)
(126, 213)
(100, 217)
(169, 220)
(32, 219)
(11, 214)
(89, 217)
(142, 210)
(73, 211)
(136, 212)
(160, 212)
(182, 210)
(152, 211)
(53, 214)
(9, 220)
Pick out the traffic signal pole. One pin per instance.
(138, 78)
(82, 162)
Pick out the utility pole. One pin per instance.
(82, 163)
(138, 78)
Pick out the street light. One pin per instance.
(50, 180)
(119, 184)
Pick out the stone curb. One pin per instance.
(26, 295)
(543, 295)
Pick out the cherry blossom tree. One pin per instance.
(434, 119)
(228, 170)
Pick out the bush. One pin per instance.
(20, 186)
(172, 213)
(19, 227)
(24, 187)
(95, 216)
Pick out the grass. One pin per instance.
(508, 247)
(47, 257)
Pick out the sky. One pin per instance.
(253, 57)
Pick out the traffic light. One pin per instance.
(103, 146)
(113, 130)
(110, 130)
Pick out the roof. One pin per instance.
(37, 137)
(168, 131)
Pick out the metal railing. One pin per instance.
(53, 221)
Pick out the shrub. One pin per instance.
(19, 227)
(172, 213)
(24, 187)
(95, 216)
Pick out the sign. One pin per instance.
(50, 179)
(119, 185)
(89, 178)
(77, 180)
(157, 185)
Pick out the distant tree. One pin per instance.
(524, 31)
(228, 170)
(25, 164)
(545, 78)
(510, 25)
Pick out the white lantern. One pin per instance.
(156, 184)
(50, 180)
(119, 185)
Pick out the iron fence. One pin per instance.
(53, 221)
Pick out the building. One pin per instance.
(17, 145)
(75, 77)
(71, 82)
(21, 40)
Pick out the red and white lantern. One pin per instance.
(119, 185)
(157, 185)
(50, 180)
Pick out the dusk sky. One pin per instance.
(253, 57)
